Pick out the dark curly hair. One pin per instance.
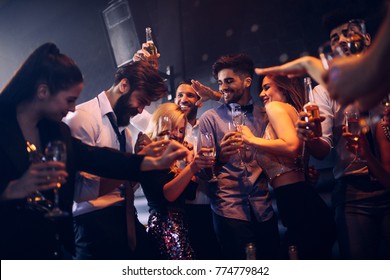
(142, 76)
(241, 64)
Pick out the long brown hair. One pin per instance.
(292, 89)
(45, 65)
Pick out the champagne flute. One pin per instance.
(36, 200)
(56, 151)
(207, 141)
(356, 36)
(353, 130)
(164, 128)
(238, 119)
(327, 53)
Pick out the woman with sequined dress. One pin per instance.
(166, 191)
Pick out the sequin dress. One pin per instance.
(167, 224)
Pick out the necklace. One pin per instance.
(386, 130)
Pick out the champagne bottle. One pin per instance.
(312, 109)
(151, 48)
(250, 251)
(293, 252)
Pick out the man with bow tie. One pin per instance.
(240, 200)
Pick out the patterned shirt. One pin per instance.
(238, 191)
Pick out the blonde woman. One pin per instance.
(167, 190)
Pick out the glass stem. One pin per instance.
(56, 196)
(213, 172)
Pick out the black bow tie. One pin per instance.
(247, 108)
(244, 109)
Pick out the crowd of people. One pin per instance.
(255, 149)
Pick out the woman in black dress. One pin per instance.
(42, 91)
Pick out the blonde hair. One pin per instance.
(172, 111)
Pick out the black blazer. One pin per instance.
(27, 234)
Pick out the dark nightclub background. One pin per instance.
(189, 34)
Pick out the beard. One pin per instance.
(192, 113)
(123, 111)
(233, 96)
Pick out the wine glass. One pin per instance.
(238, 119)
(207, 141)
(353, 130)
(164, 128)
(56, 151)
(356, 36)
(327, 53)
(36, 200)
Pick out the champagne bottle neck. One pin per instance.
(149, 38)
(309, 98)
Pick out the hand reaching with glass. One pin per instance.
(352, 132)
(357, 38)
(146, 147)
(172, 152)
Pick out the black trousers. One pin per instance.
(102, 234)
(201, 232)
(233, 235)
(309, 221)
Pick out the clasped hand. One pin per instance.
(40, 176)
(230, 144)
(305, 127)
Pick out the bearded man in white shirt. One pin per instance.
(101, 218)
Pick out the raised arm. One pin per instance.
(205, 93)
(298, 67)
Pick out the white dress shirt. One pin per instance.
(90, 124)
(332, 133)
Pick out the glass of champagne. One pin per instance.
(207, 141)
(353, 130)
(164, 128)
(238, 119)
(356, 36)
(37, 200)
(327, 53)
(56, 151)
